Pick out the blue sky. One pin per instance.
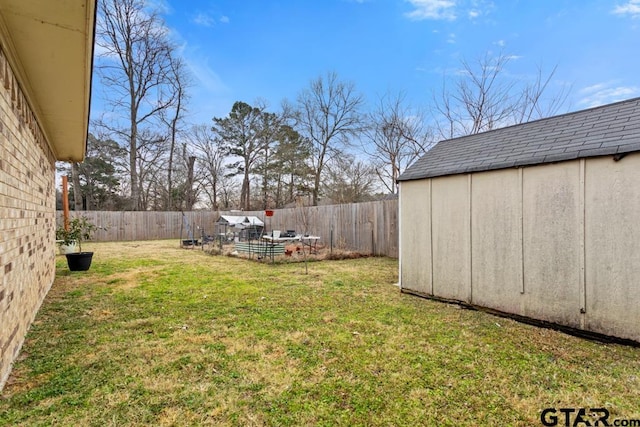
(272, 49)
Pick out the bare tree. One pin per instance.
(349, 180)
(533, 105)
(151, 164)
(329, 116)
(229, 194)
(210, 154)
(172, 116)
(397, 137)
(135, 65)
(484, 98)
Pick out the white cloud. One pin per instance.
(212, 96)
(432, 9)
(449, 10)
(204, 19)
(631, 8)
(606, 93)
(162, 6)
(480, 8)
(204, 73)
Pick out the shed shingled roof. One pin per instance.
(605, 130)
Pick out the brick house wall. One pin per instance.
(27, 217)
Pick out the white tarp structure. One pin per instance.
(240, 222)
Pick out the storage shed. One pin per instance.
(539, 220)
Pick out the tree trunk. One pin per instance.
(244, 193)
(190, 196)
(316, 190)
(265, 184)
(77, 191)
(174, 127)
(169, 184)
(135, 188)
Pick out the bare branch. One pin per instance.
(485, 98)
(136, 64)
(329, 116)
(397, 137)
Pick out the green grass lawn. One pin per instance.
(158, 335)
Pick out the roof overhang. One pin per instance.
(49, 45)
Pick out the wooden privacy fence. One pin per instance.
(370, 227)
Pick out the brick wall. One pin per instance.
(27, 218)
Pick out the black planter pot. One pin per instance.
(79, 261)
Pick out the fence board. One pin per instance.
(370, 227)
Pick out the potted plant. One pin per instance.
(65, 241)
(80, 229)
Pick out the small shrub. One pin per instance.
(79, 229)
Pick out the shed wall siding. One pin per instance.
(496, 247)
(451, 238)
(415, 220)
(551, 231)
(554, 242)
(27, 218)
(612, 250)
